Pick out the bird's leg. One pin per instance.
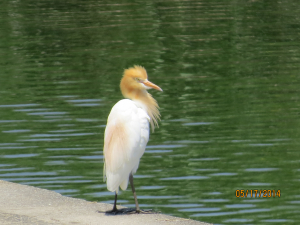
(134, 194)
(137, 210)
(114, 210)
(115, 203)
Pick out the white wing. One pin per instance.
(125, 139)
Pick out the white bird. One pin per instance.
(127, 131)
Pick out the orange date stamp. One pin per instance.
(266, 193)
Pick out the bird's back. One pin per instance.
(125, 139)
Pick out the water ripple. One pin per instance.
(18, 105)
(185, 178)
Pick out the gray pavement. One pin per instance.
(24, 205)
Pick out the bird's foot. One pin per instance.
(140, 211)
(129, 211)
(114, 212)
(148, 211)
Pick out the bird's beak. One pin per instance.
(149, 84)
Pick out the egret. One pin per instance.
(127, 131)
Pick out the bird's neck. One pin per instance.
(149, 104)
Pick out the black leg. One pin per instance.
(114, 211)
(115, 203)
(134, 194)
(123, 211)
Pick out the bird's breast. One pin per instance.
(133, 138)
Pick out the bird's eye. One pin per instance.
(138, 79)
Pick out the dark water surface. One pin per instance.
(230, 107)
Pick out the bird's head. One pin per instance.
(135, 82)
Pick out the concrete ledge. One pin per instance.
(22, 204)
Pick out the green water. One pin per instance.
(230, 106)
